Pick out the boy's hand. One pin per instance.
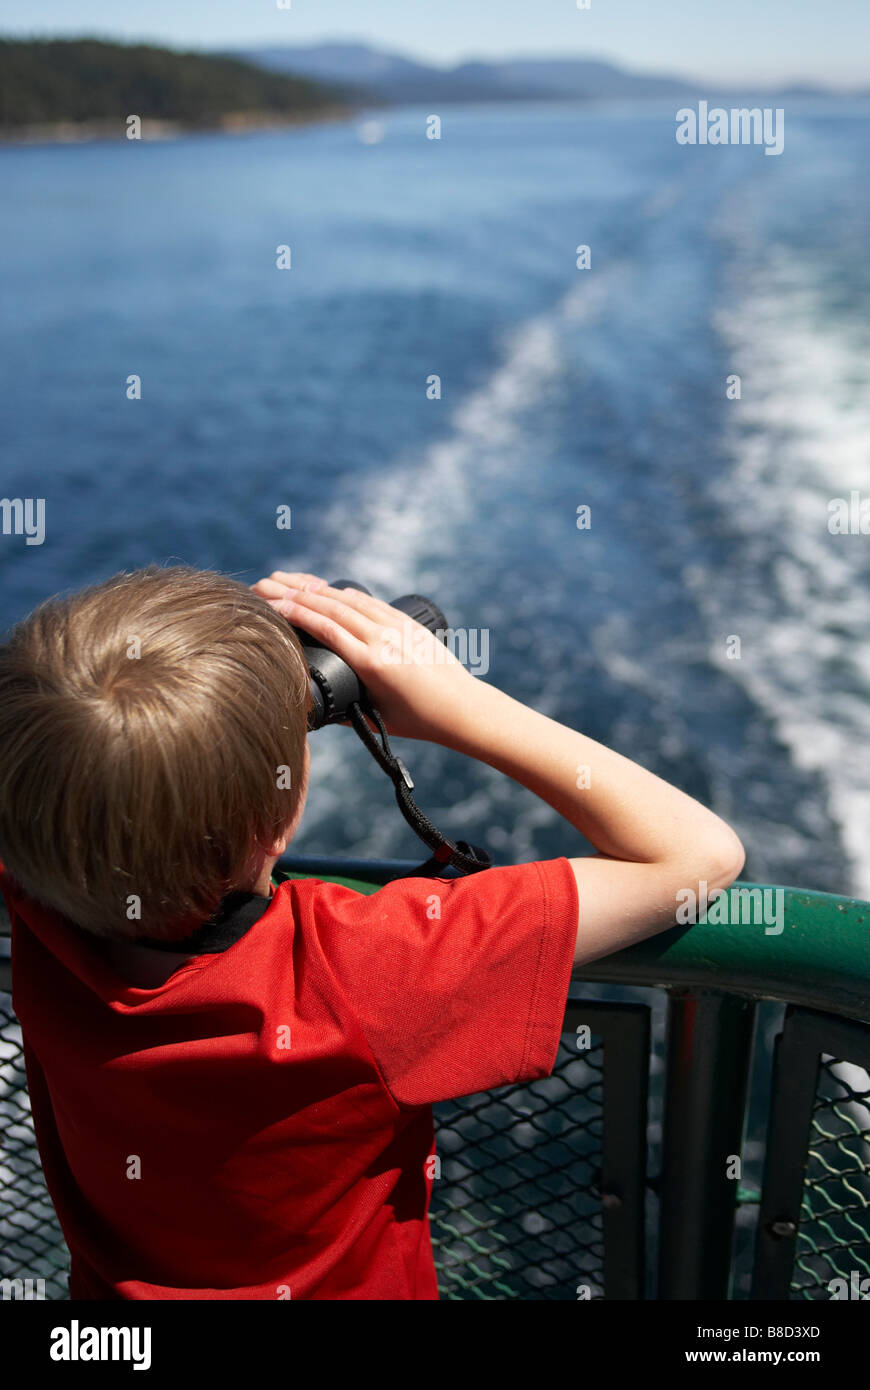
(414, 680)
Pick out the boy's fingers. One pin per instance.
(299, 606)
(385, 619)
(374, 608)
(279, 582)
(268, 589)
(291, 579)
(329, 630)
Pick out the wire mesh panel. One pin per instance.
(814, 1223)
(539, 1193)
(833, 1239)
(516, 1208)
(529, 1180)
(32, 1248)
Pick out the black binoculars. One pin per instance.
(334, 685)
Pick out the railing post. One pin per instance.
(708, 1051)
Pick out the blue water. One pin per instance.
(561, 387)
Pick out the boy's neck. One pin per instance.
(263, 886)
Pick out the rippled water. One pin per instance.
(560, 387)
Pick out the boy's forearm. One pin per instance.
(623, 810)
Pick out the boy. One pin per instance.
(231, 1085)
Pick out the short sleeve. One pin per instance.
(459, 985)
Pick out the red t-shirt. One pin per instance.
(258, 1126)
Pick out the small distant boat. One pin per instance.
(371, 132)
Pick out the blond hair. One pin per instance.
(152, 748)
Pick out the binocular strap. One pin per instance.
(461, 856)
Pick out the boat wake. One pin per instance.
(800, 600)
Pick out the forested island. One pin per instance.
(84, 87)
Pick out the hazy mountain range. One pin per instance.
(391, 78)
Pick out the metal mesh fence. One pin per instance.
(834, 1233)
(31, 1244)
(516, 1212)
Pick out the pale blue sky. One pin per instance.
(822, 40)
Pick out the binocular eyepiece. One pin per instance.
(334, 685)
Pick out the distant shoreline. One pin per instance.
(251, 122)
(233, 123)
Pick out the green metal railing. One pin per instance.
(674, 1153)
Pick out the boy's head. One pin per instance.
(153, 750)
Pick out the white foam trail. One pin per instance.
(398, 516)
(414, 505)
(800, 437)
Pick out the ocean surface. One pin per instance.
(561, 387)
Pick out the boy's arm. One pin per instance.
(652, 840)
